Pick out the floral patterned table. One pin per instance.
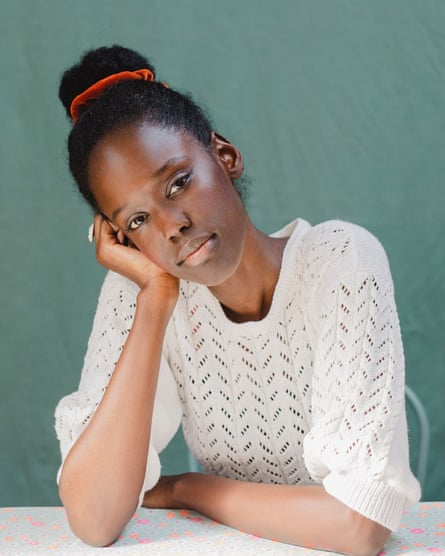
(45, 530)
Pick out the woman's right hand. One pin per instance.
(128, 261)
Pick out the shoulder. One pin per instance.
(117, 286)
(344, 239)
(116, 304)
(113, 281)
(334, 257)
(344, 247)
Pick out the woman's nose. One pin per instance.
(174, 222)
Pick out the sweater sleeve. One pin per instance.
(357, 446)
(112, 323)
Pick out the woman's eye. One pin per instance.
(178, 184)
(136, 222)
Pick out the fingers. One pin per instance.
(112, 247)
(102, 225)
(104, 233)
(121, 238)
(99, 223)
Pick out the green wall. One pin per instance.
(339, 109)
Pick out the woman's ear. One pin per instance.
(228, 155)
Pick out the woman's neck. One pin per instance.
(247, 294)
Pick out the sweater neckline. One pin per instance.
(295, 231)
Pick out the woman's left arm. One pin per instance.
(302, 515)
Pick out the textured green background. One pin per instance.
(339, 109)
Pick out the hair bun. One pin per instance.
(95, 65)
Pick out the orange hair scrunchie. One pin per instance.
(97, 88)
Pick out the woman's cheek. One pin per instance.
(154, 255)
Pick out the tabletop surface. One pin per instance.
(44, 530)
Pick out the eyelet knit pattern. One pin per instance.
(312, 393)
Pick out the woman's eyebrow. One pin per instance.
(170, 162)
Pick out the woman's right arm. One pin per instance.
(104, 472)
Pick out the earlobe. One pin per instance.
(228, 155)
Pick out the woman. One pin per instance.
(280, 354)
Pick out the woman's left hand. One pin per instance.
(161, 496)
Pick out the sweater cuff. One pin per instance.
(152, 473)
(373, 499)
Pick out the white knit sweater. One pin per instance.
(312, 393)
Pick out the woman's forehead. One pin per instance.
(151, 140)
(143, 145)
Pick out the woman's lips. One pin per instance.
(197, 250)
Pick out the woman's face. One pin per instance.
(174, 200)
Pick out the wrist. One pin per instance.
(180, 487)
(158, 297)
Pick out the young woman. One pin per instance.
(281, 355)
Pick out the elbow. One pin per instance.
(99, 539)
(94, 536)
(94, 524)
(91, 531)
(367, 538)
